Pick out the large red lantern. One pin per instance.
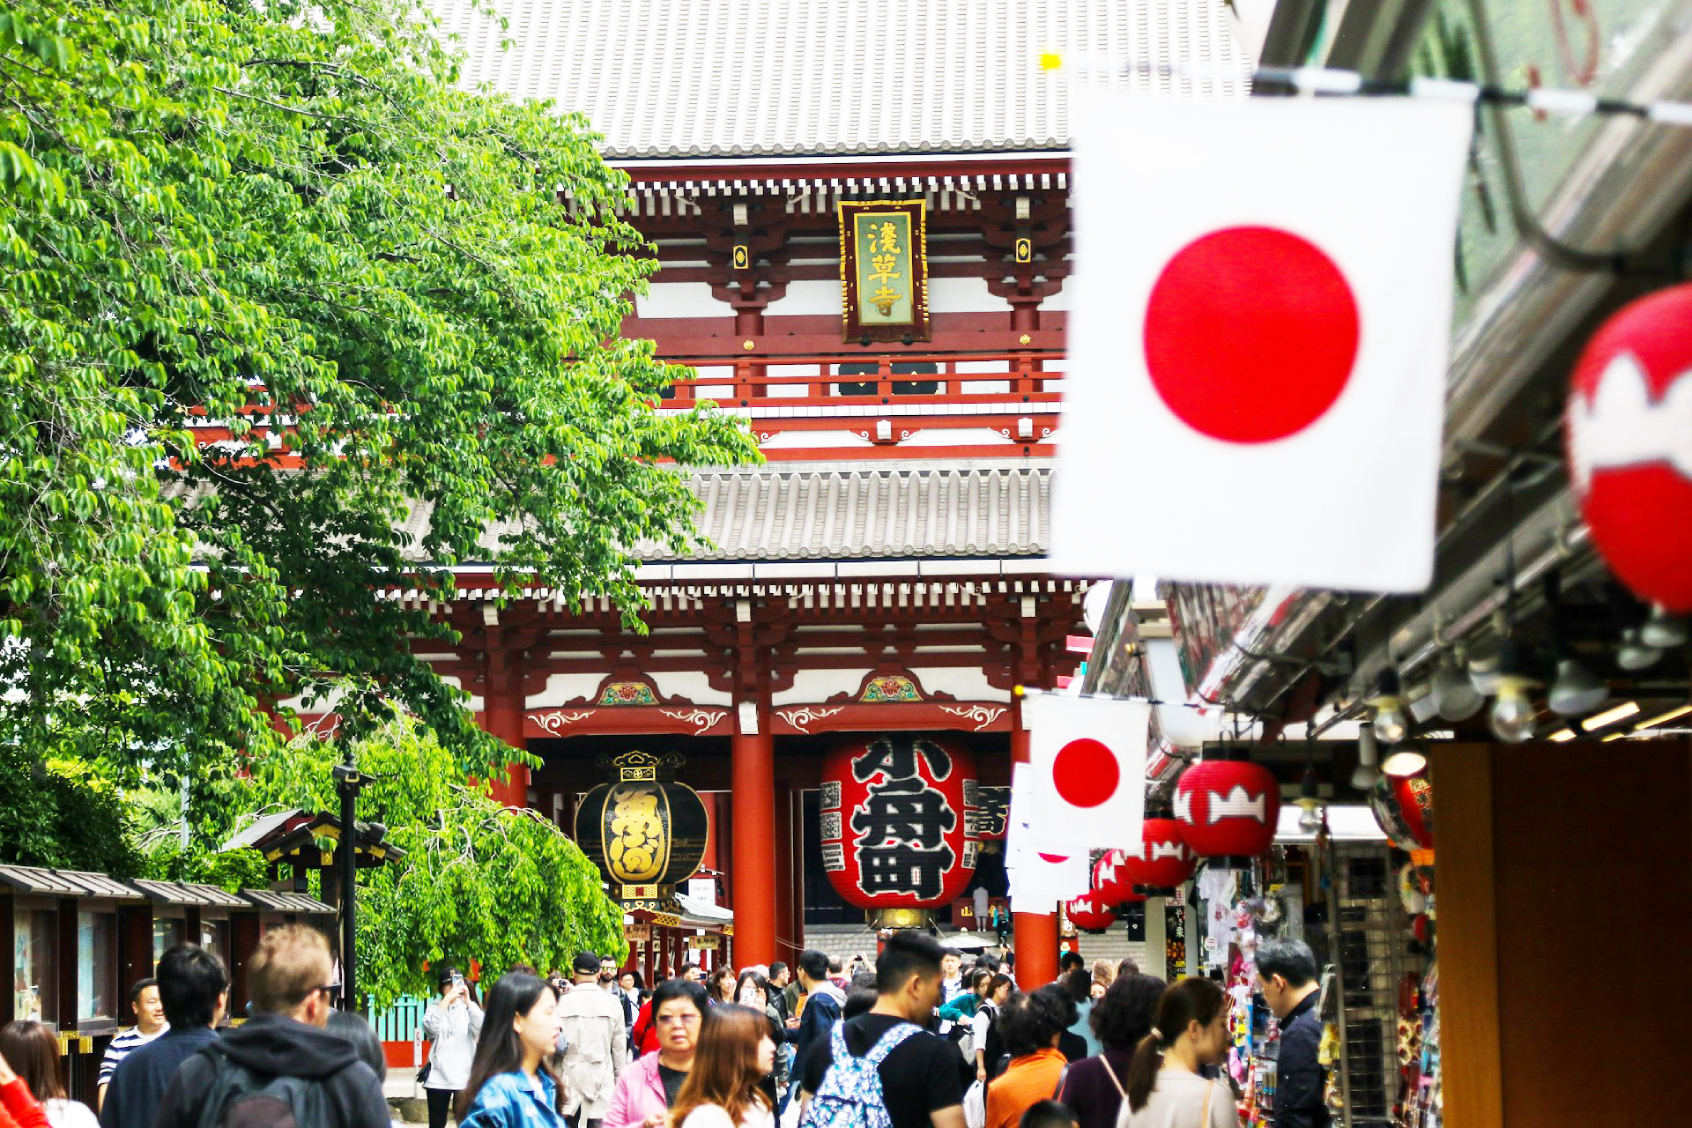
(895, 822)
(1629, 438)
(1228, 809)
(1089, 913)
(1403, 805)
(1111, 883)
(1163, 860)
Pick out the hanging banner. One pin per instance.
(884, 271)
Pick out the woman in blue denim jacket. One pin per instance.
(510, 1085)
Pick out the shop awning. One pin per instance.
(184, 893)
(284, 901)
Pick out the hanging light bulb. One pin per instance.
(1310, 818)
(1406, 761)
(1368, 772)
(1483, 656)
(1392, 724)
(1576, 689)
(1454, 694)
(1513, 714)
(1635, 653)
(1663, 630)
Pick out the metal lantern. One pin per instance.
(1163, 860)
(1089, 913)
(1228, 809)
(646, 831)
(897, 810)
(1630, 445)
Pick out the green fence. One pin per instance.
(400, 1022)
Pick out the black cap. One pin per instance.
(585, 963)
(447, 975)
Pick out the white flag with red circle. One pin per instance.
(1259, 336)
(1040, 876)
(1089, 780)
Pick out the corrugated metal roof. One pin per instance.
(791, 77)
(99, 885)
(283, 901)
(854, 513)
(30, 879)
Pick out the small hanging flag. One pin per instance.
(1089, 757)
(1262, 313)
(1039, 877)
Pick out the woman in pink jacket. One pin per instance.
(646, 1090)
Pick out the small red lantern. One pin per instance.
(1089, 913)
(1163, 861)
(1228, 809)
(1110, 880)
(1629, 438)
(1403, 805)
(896, 812)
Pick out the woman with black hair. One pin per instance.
(1031, 1026)
(1165, 1088)
(510, 1084)
(984, 1027)
(1093, 1088)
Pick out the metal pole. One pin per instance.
(347, 784)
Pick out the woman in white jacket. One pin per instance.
(722, 1089)
(453, 1022)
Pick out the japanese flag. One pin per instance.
(1259, 339)
(1089, 778)
(1040, 877)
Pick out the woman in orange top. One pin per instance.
(1030, 1026)
(18, 1109)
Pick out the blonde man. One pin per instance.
(282, 1061)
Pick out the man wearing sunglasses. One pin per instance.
(282, 1062)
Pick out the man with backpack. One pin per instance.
(882, 1069)
(282, 1068)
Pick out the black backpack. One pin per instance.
(240, 1098)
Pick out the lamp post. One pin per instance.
(348, 782)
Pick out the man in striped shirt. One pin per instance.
(149, 1024)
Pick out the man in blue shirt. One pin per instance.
(194, 990)
(1287, 977)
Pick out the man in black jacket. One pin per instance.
(1286, 974)
(285, 1039)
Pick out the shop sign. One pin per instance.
(884, 270)
(637, 933)
(707, 943)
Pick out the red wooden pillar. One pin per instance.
(787, 937)
(1035, 934)
(752, 856)
(502, 716)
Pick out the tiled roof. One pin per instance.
(857, 512)
(808, 77)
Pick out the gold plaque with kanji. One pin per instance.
(884, 270)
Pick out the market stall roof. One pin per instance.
(184, 893)
(285, 901)
(99, 885)
(697, 910)
(65, 883)
(967, 942)
(740, 78)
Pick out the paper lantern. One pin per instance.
(896, 814)
(1403, 805)
(1089, 913)
(1163, 860)
(1227, 809)
(1629, 437)
(1111, 884)
(646, 831)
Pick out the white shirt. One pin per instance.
(716, 1116)
(69, 1114)
(1178, 1100)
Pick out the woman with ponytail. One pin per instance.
(1165, 1089)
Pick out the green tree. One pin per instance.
(230, 221)
(478, 880)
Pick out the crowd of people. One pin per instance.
(917, 1041)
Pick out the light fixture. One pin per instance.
(1483, 666)
(1310, 818)
(1368, 771)
(1663, 630)
(1561, 735)
(1404, 762)
(1634, 653)
(1576, 689)
(1616, 736)
(1454, 694)
(1513, 713)
(1610, 716)
(1391, 722)
(1662, 718)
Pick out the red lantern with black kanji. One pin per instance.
(1163, 860)
(1403, 805)
(896, 816)
(1629, 437)
(1089, 913)
(1228, 809)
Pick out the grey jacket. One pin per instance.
(591, 1023)
(454, 1031)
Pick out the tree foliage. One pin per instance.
(479, 881)
(238, 215)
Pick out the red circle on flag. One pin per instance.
(1055, 859)
(1085, 772)
(1251, 334)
